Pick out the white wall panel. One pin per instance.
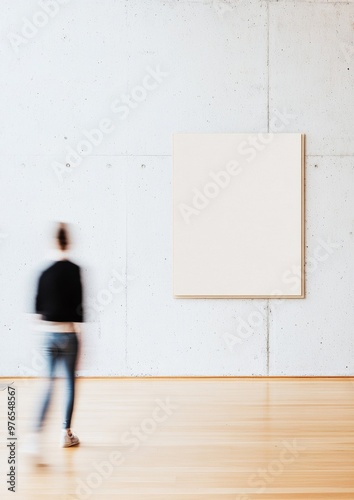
(60, 82)
(92, 198)
(311, 73)
(215, 55)
(315, 336)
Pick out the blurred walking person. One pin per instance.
(59, 303)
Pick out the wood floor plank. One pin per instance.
(198, 438)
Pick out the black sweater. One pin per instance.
(59, 293)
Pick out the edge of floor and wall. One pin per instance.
(188, 377)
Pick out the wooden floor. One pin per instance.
(190, 439)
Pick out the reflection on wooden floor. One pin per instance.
(190, 439)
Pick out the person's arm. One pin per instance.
(35, 317)
(78, 326)
(39, 297)
(79, 297)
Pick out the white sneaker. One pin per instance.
(66, 440)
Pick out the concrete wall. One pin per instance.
(138, 71)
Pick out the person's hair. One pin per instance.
(62, 236)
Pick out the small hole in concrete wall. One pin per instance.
(68, 164)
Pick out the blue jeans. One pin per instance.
(60, 346)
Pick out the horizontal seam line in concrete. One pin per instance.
(145, 155)
(200, 377)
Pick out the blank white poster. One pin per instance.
(238, 215)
